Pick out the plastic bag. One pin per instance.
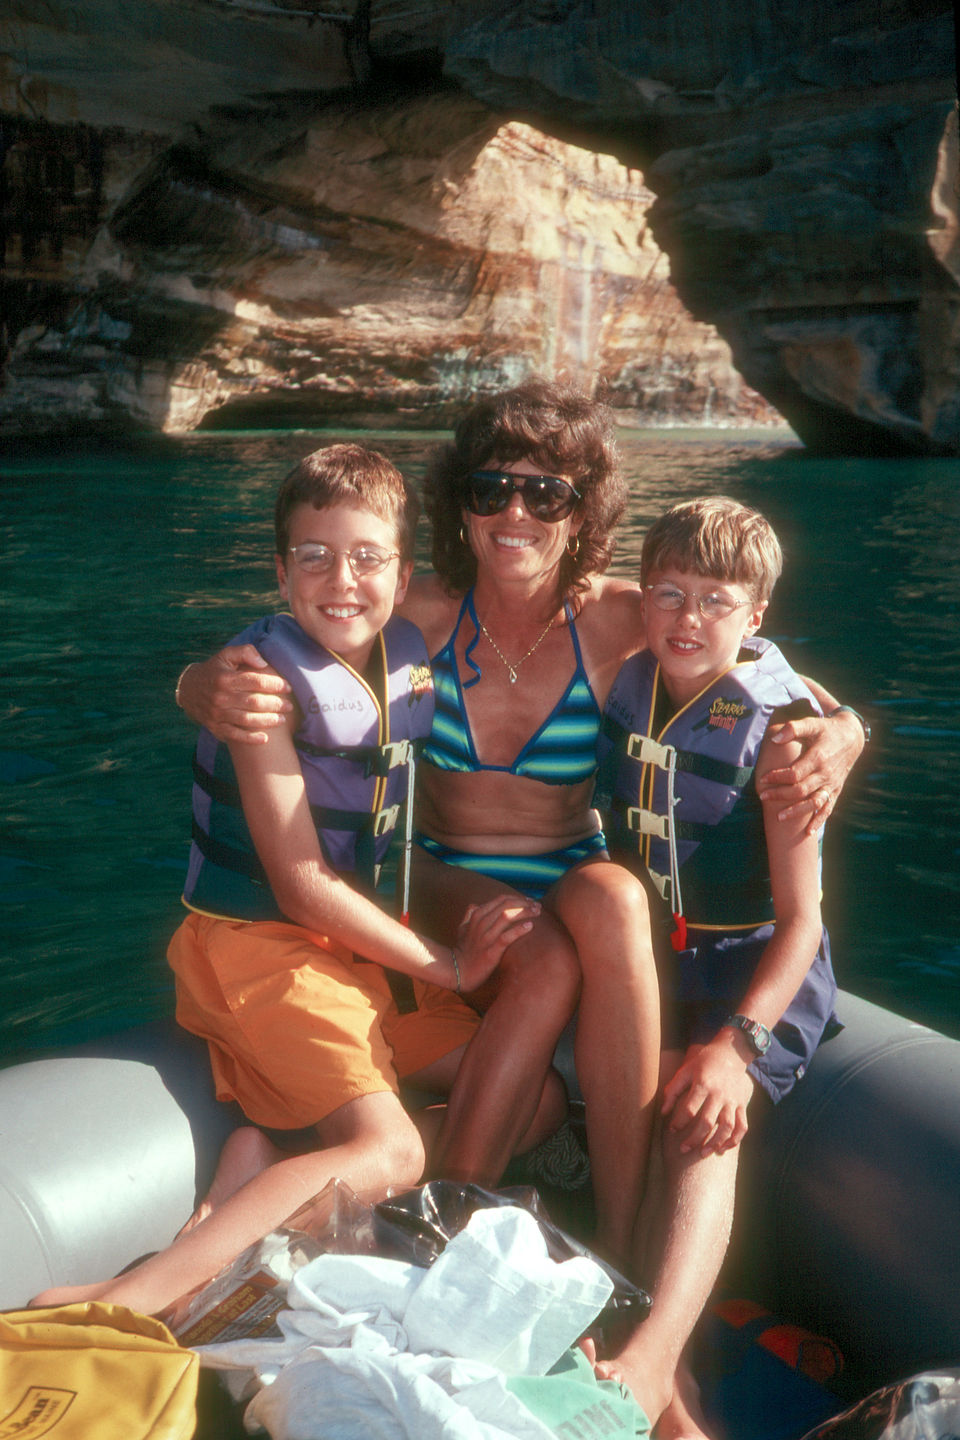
(243, 1301)
(925, 1407)
(76, 1371)
(422, 1221)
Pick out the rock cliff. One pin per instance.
(234, 212)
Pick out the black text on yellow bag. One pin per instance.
(76, 1372)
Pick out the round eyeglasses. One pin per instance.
(715, 605)
(547, 497)
(363, 560)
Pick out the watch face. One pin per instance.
(761, 1039)
(757, 1034)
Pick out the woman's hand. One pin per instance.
(707, 1098)
(235, 695)
(485, 932)
(812, 784)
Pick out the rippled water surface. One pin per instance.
(121, 563)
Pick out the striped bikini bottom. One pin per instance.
(532, 875)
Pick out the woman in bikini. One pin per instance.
(526, 634)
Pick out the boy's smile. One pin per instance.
(340, 610)
(693, 648)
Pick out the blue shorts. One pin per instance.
(703, 985)
(532, 875)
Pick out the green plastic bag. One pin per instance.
(575, 1405)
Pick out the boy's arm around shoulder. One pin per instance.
(704, 1097)
(311, 894)
(793, 854)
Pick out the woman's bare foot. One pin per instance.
(246, 1152)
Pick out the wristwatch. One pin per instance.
(757, 1034)
(857, 716)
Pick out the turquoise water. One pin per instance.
(121, 563)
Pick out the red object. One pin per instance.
(679, 937)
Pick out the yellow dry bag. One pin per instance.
(74, 1372)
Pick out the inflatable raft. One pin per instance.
(848, 1212)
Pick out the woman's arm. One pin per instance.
(235, 695)
(278, 814)
(830, 746)
(705, 1096)
(239, 699)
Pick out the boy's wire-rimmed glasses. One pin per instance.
(715, 605)
(363, 559)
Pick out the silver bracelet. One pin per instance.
(456, 970)
(849, 710)
(176, 693)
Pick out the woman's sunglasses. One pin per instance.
(547, 497)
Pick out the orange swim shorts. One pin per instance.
(296, 1026)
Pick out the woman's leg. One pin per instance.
(369, 1142)
(604, 909)
(505, 1091)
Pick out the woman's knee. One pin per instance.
(603, 906)
(543, 965)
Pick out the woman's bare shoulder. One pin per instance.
(610, 625)
(613, 602)
(431, 607)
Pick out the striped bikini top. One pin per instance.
(562, 751)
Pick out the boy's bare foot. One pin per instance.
(246, 1152)
(69, 1294)
(683, 1419)
(643, 1376)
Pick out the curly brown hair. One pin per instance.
(548, 424)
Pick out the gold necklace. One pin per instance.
(512, 669)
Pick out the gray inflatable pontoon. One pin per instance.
(848, 1213)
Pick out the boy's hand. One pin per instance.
(707, 1098)
(235, 695)
(486, 931)
(811, 785)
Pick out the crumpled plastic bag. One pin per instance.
(246, 1297)
(925, 1407)
(419, 1224)
(372, 1345)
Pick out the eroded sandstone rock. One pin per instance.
(253, 212)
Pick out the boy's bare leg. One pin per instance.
(502, 1094)
(687, 1218)
(246, 1151)
(370, 1143)
(604, 909)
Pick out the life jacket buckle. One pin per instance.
(397, 752)
(650, 752)
(647, 822)
(385, 820)
(663, 886)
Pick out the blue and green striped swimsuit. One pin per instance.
(562, 751)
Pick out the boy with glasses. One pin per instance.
(312, 998)
(748, 988)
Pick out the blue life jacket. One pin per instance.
(356, 758)
(683, 799)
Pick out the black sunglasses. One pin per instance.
(547, 497)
